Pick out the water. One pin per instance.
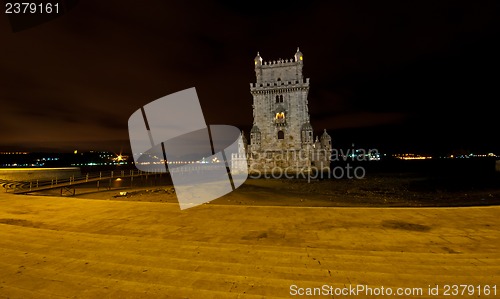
(42, 174)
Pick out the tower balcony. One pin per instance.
(273, 85)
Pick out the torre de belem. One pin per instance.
(281, 138)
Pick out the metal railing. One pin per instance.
(57, 182)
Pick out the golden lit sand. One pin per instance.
(53, 247)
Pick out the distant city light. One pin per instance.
(410, 156)
(14, 153)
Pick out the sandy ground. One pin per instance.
(144, 246)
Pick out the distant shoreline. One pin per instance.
(36, 168)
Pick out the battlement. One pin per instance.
(272, 73)
(279, 85)
(278, 63)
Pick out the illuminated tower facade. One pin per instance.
(282, 136)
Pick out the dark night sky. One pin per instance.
(398, 76)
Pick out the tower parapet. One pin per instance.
(282, 71)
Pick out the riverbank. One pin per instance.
(403, 190)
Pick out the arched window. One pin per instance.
(280, 117)
(281, 98)
(281, 135)
(277, 99)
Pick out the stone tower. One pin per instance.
(282, 136)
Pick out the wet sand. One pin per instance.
(376, 191)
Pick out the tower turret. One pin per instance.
(317, 143)
(307, 133)
(299, 60)
(326, 141)
(258, 60)
(255, 140)
(298, 56)
(258, 68)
